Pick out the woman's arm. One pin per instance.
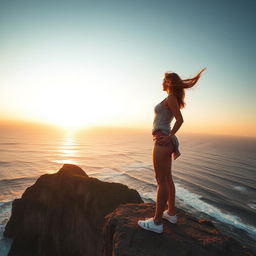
(174, 108)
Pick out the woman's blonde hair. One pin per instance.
(179, 85)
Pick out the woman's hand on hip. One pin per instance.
(162, 140)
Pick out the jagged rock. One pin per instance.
(123, 237)
(62, 214)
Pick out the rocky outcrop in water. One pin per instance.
(63, 214)
(69, 213)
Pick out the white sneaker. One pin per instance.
(150, 225)
(172, 219)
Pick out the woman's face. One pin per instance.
(166, 84)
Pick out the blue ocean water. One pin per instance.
(215, 176)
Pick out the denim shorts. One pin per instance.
(156, 134)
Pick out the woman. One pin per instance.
(165, 146)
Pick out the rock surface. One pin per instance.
(189, 236)
(63, 214)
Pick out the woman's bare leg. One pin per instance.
(162, 165)
(171, 194)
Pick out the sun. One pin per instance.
(75, 96)
(70, 116)
(70, 108)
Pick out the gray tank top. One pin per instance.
(162, 119)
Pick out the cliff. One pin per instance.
(69, 213)
(190, 236)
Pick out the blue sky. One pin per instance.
(106, 59)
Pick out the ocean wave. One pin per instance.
(5, 213)
(252, 204)
(195, 201)
(13, 163)
(17, 180)
(13, 188)
(9, 143)
(240, 188)
(5, 163)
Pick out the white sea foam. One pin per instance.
(5, 213)
(107, 173)
(136, 165)
(240, 188)
(252, 204)
(195, 201)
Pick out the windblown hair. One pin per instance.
(179, 85)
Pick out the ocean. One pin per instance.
(215, 176)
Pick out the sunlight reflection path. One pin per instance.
(68, 150)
